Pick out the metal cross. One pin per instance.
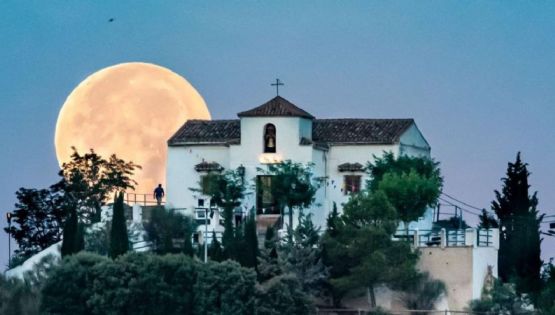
(277, 84)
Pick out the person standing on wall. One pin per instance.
(159, 194)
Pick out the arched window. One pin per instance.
(269, 138)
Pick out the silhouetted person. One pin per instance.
(159, 194)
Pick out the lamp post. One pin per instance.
(205, 239)
(9, 219)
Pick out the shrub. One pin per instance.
(283, 295)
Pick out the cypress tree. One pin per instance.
(215, 251)
(519, 248)
(73, 237)
(270, 238)
(119, 243)
(251, 242)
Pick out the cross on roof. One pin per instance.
(277, 84)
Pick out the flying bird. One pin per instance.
(111, 20)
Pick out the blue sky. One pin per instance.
(477, 76)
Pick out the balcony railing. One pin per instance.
(450, 238)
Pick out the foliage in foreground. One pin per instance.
(501, 299)
(171, 284)
(170, 232)
(18, 297)
(360, 251)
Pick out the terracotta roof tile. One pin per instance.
(278, 106)
(207, 132)
(359, 131)
(324, 132)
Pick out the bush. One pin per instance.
(283, 295)
(225, 288)
(69, 286)
(139, 283)
(501, 299)
(18, 297)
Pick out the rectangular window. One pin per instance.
(351, 184)
(265, 201)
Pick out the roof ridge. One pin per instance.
(277, 106)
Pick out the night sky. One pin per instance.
(478, 77)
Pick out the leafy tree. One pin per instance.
(519, 245)
(292, 186)
(412, 184)
(170, 232)
(403, 164)
(283, 295)
(119, 243)
(488, 221)
(215, 251)
(226, 190)
(89, 179)
(73, 241)
(423, 293)
(38, 220)
(501, 299)
(363, 254)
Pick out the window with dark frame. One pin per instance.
(352, 184)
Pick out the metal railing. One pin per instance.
(485, 238)
(132, 198)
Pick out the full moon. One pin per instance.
(130, 110)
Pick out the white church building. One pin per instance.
(339, 149)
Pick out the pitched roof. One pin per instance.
(277, 107)
(324, 132)
(207, 132)
(359, 131)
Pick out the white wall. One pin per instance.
(349, 154)
(412, 143)
(181, 174)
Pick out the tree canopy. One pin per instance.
(292, 186)
(412, 184)
(90, 179)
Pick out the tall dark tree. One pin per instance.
(73, 237)
(519, 245)
(90, 179)
(215, 251)
(37, 220)
(119, 243)
(250, 249)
